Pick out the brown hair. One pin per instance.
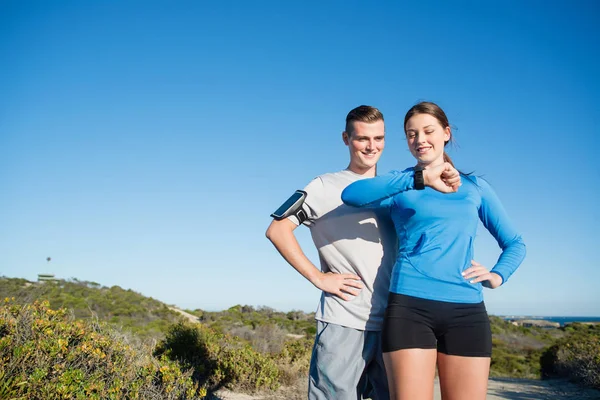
(426, 107)
(366, 114)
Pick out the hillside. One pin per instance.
(296, 322)
(124, 309)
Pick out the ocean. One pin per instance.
(561, 320)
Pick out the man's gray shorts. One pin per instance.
(347, 364)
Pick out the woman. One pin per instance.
(436, 312)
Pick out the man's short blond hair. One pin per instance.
(366, 114)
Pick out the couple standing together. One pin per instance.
(401, 293)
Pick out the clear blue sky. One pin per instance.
(144, 144)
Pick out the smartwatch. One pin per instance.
(419, 181)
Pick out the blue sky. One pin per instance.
(144, 144)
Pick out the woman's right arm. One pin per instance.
(367, 192)
(370, 192)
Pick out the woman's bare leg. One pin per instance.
(463, 378)
(410, 373)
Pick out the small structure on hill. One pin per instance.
(540, 323)
(46, 278)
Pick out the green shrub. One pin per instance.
(516, 350)
(576, 356)
(514, 362)
(45, 354)
(294, 360)
(217, 359)
(228, 321)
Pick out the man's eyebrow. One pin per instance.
(367, 137)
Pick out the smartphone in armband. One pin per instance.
(292, 206)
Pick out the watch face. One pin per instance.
(419, 182)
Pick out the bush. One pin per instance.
(230, 320)
(515, 363)
(217, 359)
(266, 338)
(294, 360)
(576, 356)
(516, 350)
(45, 354)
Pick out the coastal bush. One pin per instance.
(294, 360)
(294, 322)
(516, 350)
(267, 338)
(217, 359)
(576, 356)
(514, 362)
(46, 354)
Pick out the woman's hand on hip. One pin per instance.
(478, 273)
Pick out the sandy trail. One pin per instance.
(505, 389)
(190, 317)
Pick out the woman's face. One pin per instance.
(426, 139)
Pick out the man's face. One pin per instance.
(365, 142)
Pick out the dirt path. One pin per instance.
(190, 317)
(522, 389)
(499, 389)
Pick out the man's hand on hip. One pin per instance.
(341, 285)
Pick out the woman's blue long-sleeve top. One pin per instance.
(436, 233)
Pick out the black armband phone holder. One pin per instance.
(292, 206)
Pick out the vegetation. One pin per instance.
(294, 322)
(58, 349)
(575, 356)
(261, 354)
(516, 350)
(126, 309)
(218, 359)
(571, 352)
(45, 354)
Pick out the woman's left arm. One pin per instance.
(497, 222)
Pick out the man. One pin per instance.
(357, 249)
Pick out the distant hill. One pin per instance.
(238, 316)
(126, 309)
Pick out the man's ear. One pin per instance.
(346, 138)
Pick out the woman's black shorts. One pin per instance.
(459, 329)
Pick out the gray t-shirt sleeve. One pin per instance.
(313, 203)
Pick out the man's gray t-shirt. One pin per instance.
(350, 240)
